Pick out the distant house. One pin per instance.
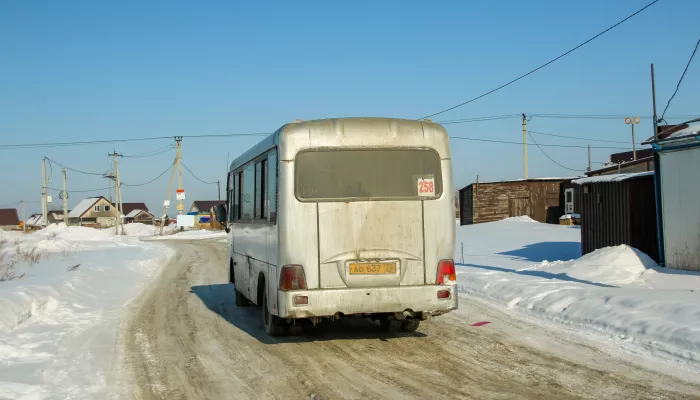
(624, 163)
(94, 211)
(205, 211)
(493, 201)
(142, 216)
(618, 209)
(35, 221)
(9, 219)
(677, 160)
(136, 212)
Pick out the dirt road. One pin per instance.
(186, 339)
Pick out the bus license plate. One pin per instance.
(372, 269)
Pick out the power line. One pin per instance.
(479, 119)
(550, 158)
(152, 180)
(70, 169)
(680, 80)
(151, 153)
(545, 64)
(544, 145)
(577, 138)
(79, 191)
(195, 176)
(91, 142)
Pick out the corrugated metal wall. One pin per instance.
(615, 213)
(680, 193)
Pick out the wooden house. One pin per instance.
(493, 201)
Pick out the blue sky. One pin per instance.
(84, 70)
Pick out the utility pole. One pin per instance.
(118, 193)
(24, 217)
(176, 166)
(218, 186)
(589, 158)
(64, 195)
(524, 146)
(653, 100)
(44, 195)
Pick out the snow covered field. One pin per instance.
(58, 321)
(617, 294)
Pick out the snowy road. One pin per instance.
(186, 339)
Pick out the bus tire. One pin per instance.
(241, 301)
(273, 324)
(410, 325)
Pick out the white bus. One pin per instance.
(339, 217)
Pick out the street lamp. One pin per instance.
(633, 122)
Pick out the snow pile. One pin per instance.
(137, 229)
(59, 319)
(611, 265)
(192, 235)
(537, 271)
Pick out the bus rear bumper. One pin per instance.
(424, 299)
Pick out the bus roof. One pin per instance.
(412, 130)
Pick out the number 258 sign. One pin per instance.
(426, 186)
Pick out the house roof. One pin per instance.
(622, 164)
(611, 178)
(9, 216)
(619, 158)
(206, 205)
(127, 208)
(83, 206)
(545, 179)
(35, 220)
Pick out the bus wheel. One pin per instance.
(410, 325)
(241, 301)
(273, 324)
(390, 324)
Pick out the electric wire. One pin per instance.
(195, 176)
(577, 138)
(71, 169)
(550, 158)
(542, 144)
(545, 64)
(680, 80)
(151, 181)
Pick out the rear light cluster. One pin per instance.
(292, 278)
(446, 274)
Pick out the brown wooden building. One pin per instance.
(493, 201)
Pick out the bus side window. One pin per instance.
(272, 187)
(260, 189)
(230, 196)
(248, 190)
(237, 196)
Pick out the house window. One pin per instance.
(108, 208)
(97, 208)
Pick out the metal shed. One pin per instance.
(677, 162)
(618, 209)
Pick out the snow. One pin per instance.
(58, 322)
(692, 130)
(569, 216)
(83, 206)
(617, 294)
(138, 229)
(612, 177)
(133, 213)
(192, 235)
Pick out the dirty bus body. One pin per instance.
(351, 216)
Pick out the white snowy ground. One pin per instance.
(617, 296)
(57, 327)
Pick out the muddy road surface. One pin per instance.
(186, 339)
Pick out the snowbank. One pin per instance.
(616, 291)
(193, 234)
(137, 229)
(58, 321)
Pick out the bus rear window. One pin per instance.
(367, 174)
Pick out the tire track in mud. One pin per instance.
(188, 340)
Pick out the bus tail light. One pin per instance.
(292, 277)
(446, 272)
